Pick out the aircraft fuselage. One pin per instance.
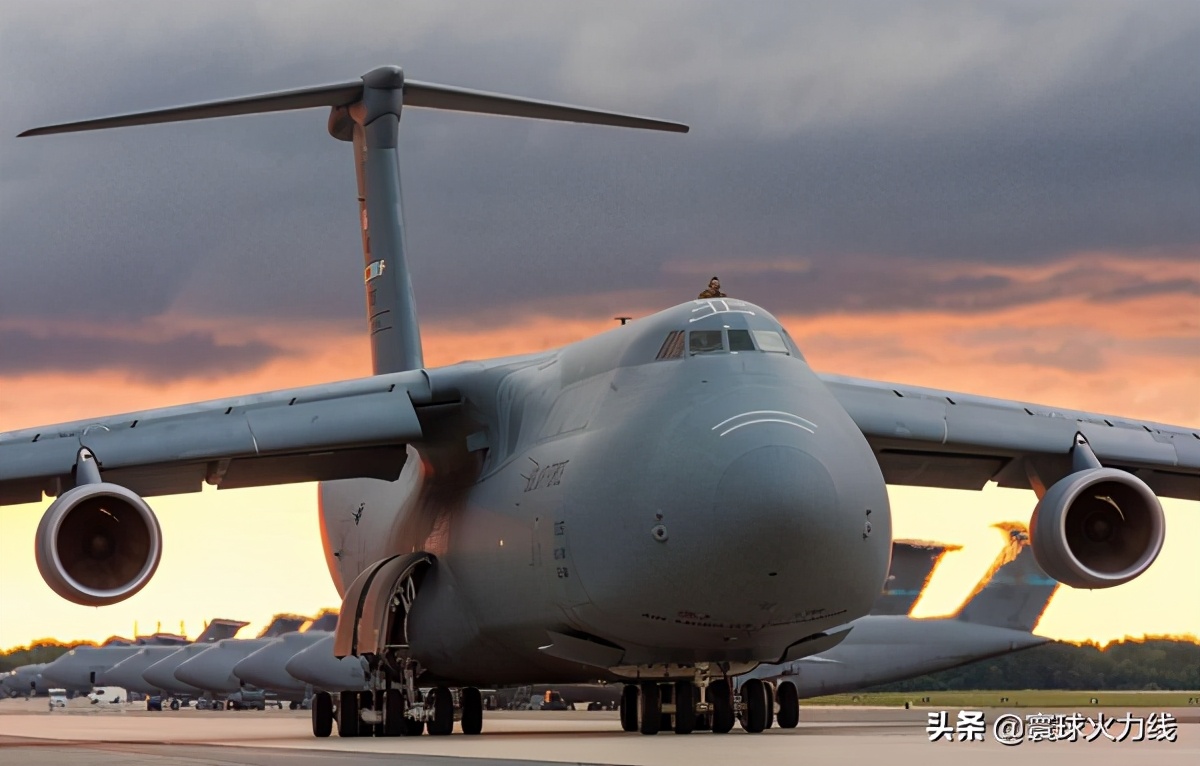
(684, 505)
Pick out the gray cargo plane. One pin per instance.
(84, 666)
(127, 673)
(162, 674)
(213, 669)
(27, 681)
(998, 618)
(669, 504)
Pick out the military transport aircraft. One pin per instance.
(669, 503)
(84, 666)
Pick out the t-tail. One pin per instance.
(366, 112)
(219, 629)
(913, 562)
(1015, 591)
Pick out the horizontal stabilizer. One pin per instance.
(280, 101)
(432, 96)
(415, 94)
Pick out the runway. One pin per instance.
(133, 737)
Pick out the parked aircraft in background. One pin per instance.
(27, 681)
(688, 499)
(81, 667)
(913, 564)
(998, 618)
(213, 669)
(162, 673)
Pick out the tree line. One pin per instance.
(1133, 665)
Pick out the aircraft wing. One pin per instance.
(930, 438)
(355, 428)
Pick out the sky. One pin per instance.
(994, 198)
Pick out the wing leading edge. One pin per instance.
(353, 429)
(931, 438)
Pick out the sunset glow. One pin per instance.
(248, 554)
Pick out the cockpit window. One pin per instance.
(672, 347)
(705, 341)
(739, 340)
(768, 340)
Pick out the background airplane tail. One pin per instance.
(913, 562)
(1015, 591)
(220, 629)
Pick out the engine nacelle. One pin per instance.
(1097, 528)
(98, 544)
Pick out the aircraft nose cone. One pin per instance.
(770, 503)
(68, 670)
(208, 670)
(316, 665)
(265, 667)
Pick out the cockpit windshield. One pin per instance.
(722, 327)
(730, 340)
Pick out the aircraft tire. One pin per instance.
(443, 711)
(685, 707)
(629, 708)
(770, 690)
(393, 713)
(789, 706)
(666, 694)
(174, 704)
(754, 697)
(721, 699)
(472, 710)
(651, 712)
(347, 714)
(322, 714)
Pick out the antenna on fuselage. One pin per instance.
(366, 112)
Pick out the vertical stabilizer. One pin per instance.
(283, 623)
(366, 112)
(913, 562)
(219, 629)
(1015, 591)
(372, 125)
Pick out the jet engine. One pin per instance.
(1097, 528)
(98, 544)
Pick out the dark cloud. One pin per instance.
(186, 355)
(878, 133)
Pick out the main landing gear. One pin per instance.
(685, 706)
(387, 713)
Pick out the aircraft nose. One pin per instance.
(207, 670)
(768, 502)
(67, 671)
(316, 665)
(740, 519)
(265, 667)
